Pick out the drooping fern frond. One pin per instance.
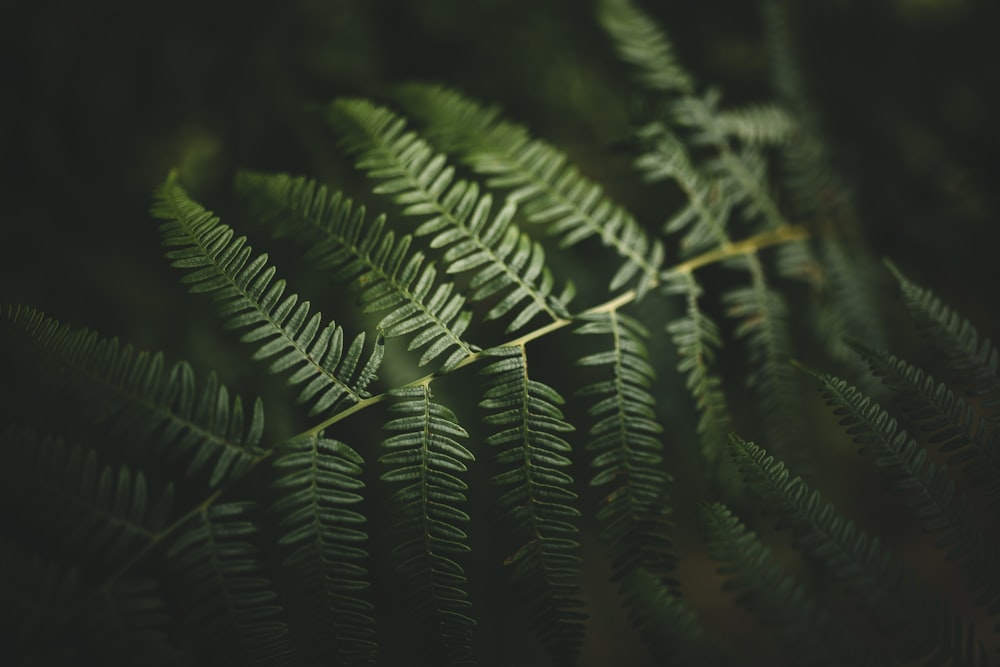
(222, 591)
(763, 321)
(537, 500)
(387, 276)
(969, 356)
(319, 481)
(130, 390)
(644, 45)
(808, 634)
(504, 260)
(625, 448)
(954, 426)
(547, 189)
(696, 338)
(875, 579)
(930, 492)
(426, 458)
(250, 298)
(668, 625)
(758, 125)
(99, 513)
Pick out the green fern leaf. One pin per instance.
(626, 450)
(954, 426)
(696, 338)
(758, 125)
(763, 321)
(387, 276)
(643, 44)
(547, 189)
(319, 480)
(127, 388)
(969, 356)
(808, 634)
(537, 501)
(875, 579)
(425, 457)
(505, 260)
(221, 588)
(104, 515)
(930, 492)
(222, 266)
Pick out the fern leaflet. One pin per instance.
(547, 189)
(425, 457)
(387, 276)
(128, 388)
(319, 479)
(505, 260)
(537, 502)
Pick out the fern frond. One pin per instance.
(930, 491)
(221, 587)
(626, 450)
(876, 579)
(807, 632)
(102, 513)
(319, 479)
(537, 502)
(707, 211)
(547, 189)
(505, 260)
(696, 338)
(954, 426)
(425, 456)
(129, 389)
(763, 321)
(668, 625)
(248, 297)
(968, 355)
(643, 44)
(387, 276)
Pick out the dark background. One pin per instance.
(100, 100)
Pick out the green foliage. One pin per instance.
(153, 521)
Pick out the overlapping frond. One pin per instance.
(807, 632)
(132, 390)
(758, 124)
(222, 590)
(547, 189)
(505, 261)
(98, 512)
(696, 338)
(537, 500)
(249, 298)
(953, 425)
(929, 490)
(324, 538)
(626, 449)
(669, 625)
(876, 580)
(425, 457)
(644, 45)
(381, 267)
(970, 357)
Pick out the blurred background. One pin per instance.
(99, 100)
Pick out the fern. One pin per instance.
(425, 457)
(536, 502)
